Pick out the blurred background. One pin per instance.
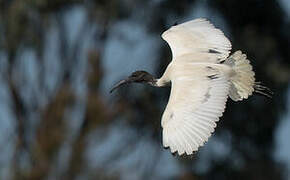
(59, 58)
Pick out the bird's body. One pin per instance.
(202, 77)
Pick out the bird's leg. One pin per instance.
(263, 90)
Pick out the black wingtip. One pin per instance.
(172, 153)
(175, 23)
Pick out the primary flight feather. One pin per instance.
(202, 76)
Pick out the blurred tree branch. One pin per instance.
(256, 28)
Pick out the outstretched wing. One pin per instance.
(197, 40)
(196, 102)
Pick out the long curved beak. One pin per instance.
(123, 82)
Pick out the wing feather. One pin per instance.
(197, 40)
(194, 107)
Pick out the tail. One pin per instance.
(243, 82)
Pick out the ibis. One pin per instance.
(202, 77)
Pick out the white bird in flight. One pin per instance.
(202, 76)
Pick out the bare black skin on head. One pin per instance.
(137, 77)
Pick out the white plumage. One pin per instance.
(194, 106)
(200, 83)
(197, 37)
(202, 77)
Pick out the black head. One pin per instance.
(137, 77)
